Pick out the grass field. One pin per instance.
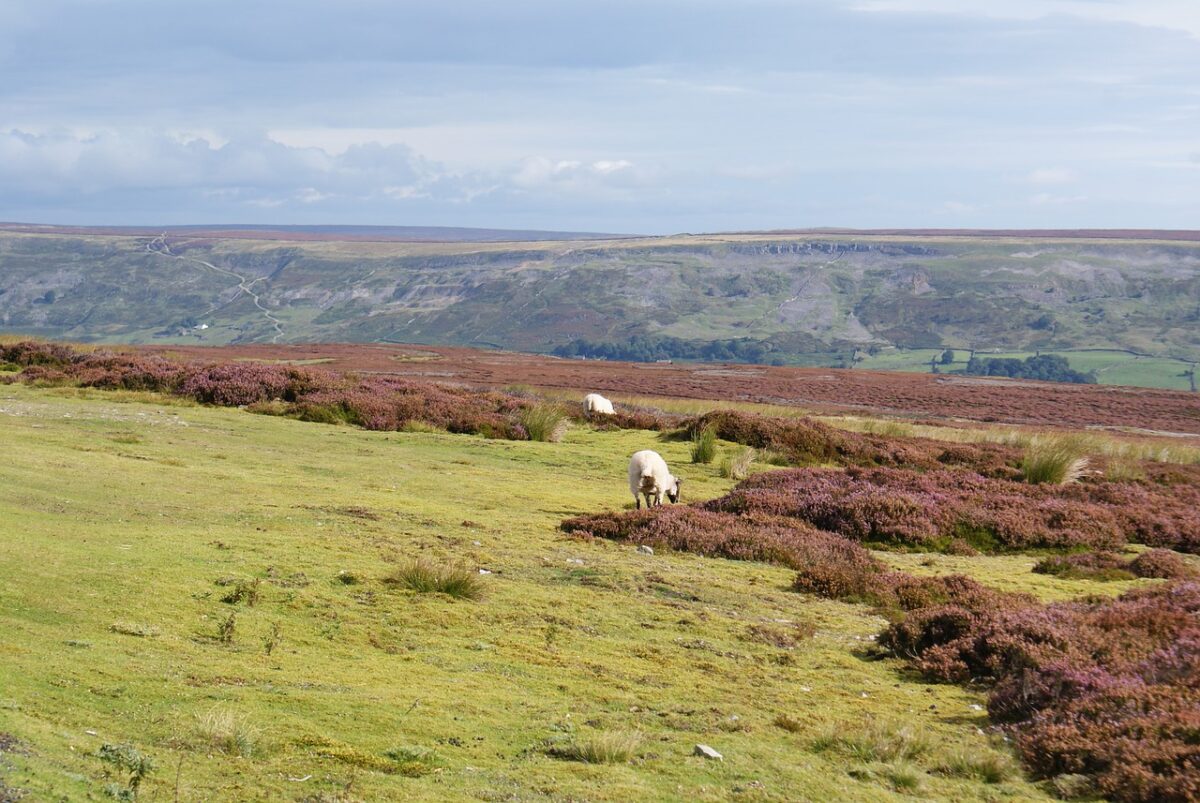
(128, 520)
(1111, 367)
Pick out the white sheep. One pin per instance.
(650, 477)
(595, 403)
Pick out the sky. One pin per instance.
(633, 116)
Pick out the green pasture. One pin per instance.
(1111, 367)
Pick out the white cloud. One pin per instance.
(252, 168)
(1050, 199)
(1177, 15)
(574, 175)
(609, 166)
(1050, 175)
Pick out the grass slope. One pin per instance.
(125, 515)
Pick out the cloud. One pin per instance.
(63, 164)
(1050, 175)
(1177, 15)
(574, 176)
(1050, 199)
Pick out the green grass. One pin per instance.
(396, 695)
(1112, 367)
(704, 445)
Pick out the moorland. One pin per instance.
(230, 578)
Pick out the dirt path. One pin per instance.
(160, 246)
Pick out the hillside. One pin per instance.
(890, 300)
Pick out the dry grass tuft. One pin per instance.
(544, 422)
(228, 733)
(737, 467)
(603, 748)
(426, 578)
(1054, 461)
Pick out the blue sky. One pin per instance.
(654, 116)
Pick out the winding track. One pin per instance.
(160, 246)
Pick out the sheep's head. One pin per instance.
(673, 492)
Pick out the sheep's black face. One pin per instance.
(673, 494)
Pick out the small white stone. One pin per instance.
(645, 549)
(976, 707)
(707, 752)
(484, 571)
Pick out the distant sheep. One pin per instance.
(595, 403)
(650, 477)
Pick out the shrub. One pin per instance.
(722, 535)
(227, 629)
(927, 510)
(1103, 688)
(637, 419)
(426, 578)
(1164, 564)
(704, 445)
(544, 422)
(1055, 461)
(603, 748)
(132, 765)
(247, 591)
(243, 383)
(31, 352)
(738, 467)
(374, 402)
(1156, 563)
(803, 441)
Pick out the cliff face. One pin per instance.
(808, 292)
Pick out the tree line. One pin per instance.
(1044, 367)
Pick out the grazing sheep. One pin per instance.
(650, 477)
(595, 403)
